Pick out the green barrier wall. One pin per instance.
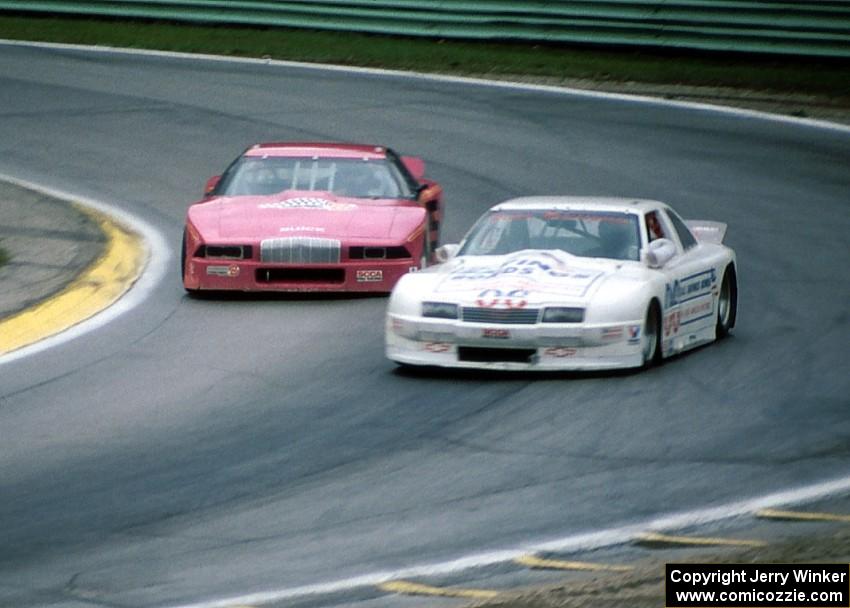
(803, 27)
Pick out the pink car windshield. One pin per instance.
(255, 175)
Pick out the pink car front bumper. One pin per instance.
(251, 275)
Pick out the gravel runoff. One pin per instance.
(643, 587)
(48, 242)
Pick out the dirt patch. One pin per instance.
(799, 105)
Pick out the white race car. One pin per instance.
(567, 283)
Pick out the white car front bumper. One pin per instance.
(539, 346)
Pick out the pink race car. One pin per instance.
(312, 217)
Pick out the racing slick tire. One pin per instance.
(651, 337)
(727, 302)
(191, 292)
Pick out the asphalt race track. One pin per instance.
(192, 450)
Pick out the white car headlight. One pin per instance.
(563, 314)
(439, 310)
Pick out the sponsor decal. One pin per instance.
(401, 327)
(495, 298)
(544, 273)
(699, 310)
(672, 322)
(561, 352)
(521, 267)
(495, 333)
(612, 333)
(224, 271)
(689, 288)
(369, 276)
(437, 347)
(302, 229)
(307, 202)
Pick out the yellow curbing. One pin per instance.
(801, 515)
(96, 288)
(532, 561)
(656, 539)
(407, 588)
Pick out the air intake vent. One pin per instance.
(301, 275)
(495, 355)
(509, 316)
(300, 250)
(378, 253)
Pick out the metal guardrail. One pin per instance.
(801, 27)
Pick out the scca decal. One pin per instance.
(369, 276)
(496, 333)
(493, 298)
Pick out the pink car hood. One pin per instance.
(232, 219)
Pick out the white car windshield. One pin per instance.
(599, 234)
(357, 178)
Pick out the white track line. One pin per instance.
(158, 258)
(820, 124)
(577, 542)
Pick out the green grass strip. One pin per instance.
(758, 72)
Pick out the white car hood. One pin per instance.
(531, 276)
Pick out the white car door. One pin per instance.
(690, 291)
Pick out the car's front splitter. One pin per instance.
(498, 354)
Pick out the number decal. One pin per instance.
(496, 298)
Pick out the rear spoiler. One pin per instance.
(706, 231)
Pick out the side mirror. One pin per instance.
(415, 165)
(211, 184)
(446, 252)
(659, 252)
